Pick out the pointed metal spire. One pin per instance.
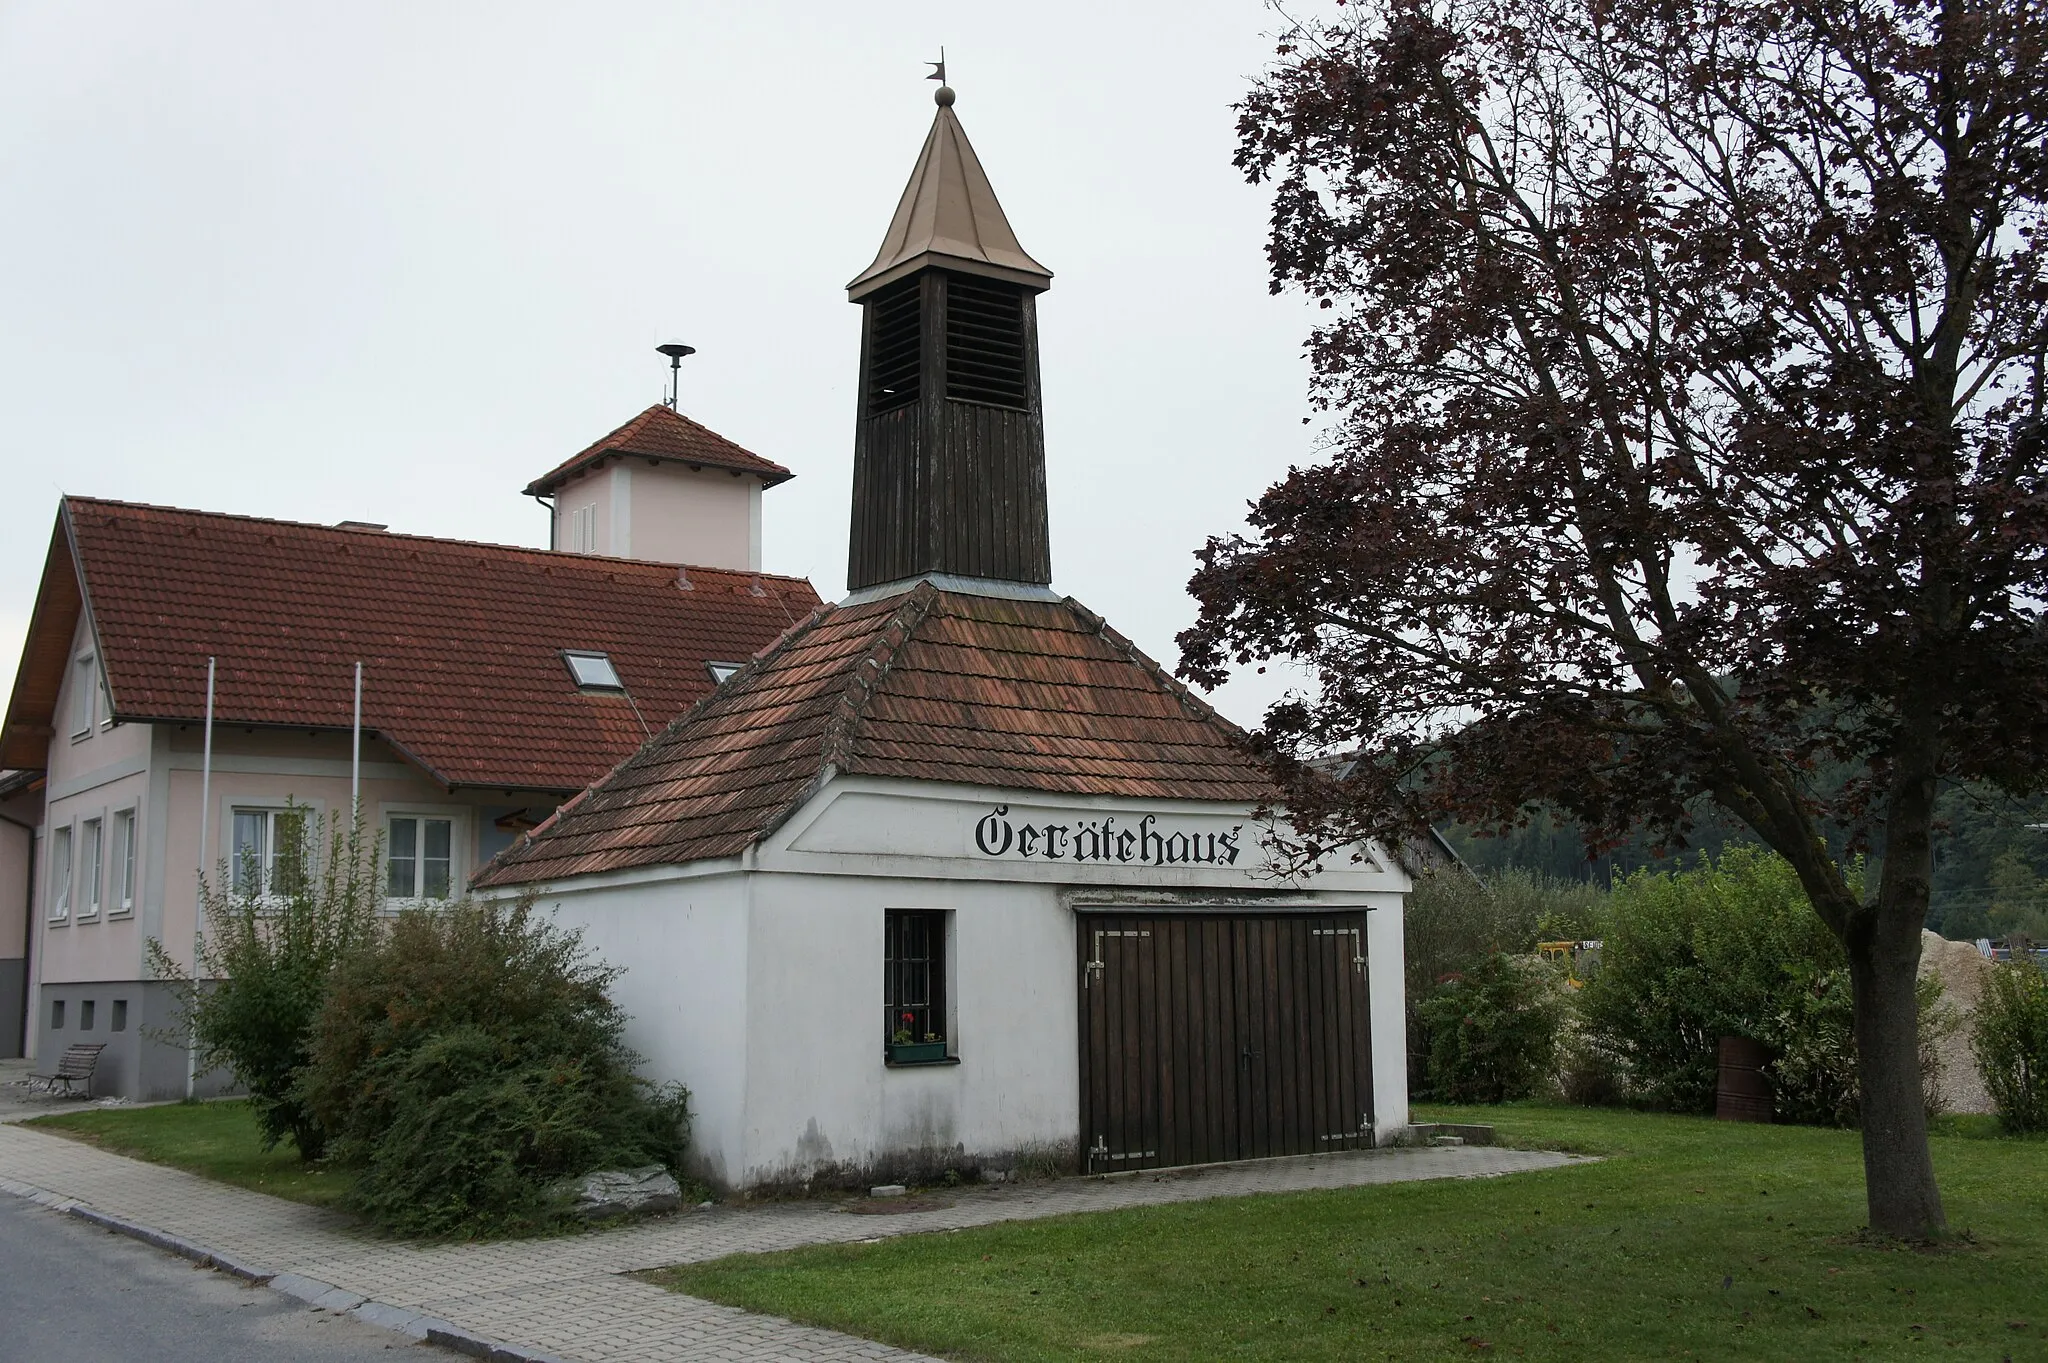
(948, 217)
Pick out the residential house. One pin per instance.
(496, 681)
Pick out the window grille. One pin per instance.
(914, 971)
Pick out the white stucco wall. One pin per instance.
(683, 944)
(822, 1095)
(758, 982)
(666, 513)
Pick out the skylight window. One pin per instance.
(593, 671)
(721, 672)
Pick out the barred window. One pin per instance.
(914, 975)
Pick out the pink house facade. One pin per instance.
(497, 682)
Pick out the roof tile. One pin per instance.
(461, 643)
(931, 686)
(663, 433)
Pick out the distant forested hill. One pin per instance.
(1990, 874)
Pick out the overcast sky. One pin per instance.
(390, 261)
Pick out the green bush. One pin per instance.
(1453, 922)
(266, 959)
(470, 1058)
(1493, 1030)
(2011, 1042)
(1732, 948)
(1728, 948)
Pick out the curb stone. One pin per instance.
(313, 1292)
(176, 1244)
(477, 1346)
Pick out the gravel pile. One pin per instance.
(1963, 972)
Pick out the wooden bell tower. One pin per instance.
(949, 447)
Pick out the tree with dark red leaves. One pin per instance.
(1685, 359)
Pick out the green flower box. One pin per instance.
(916, 1052)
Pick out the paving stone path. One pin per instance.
(566, 1297)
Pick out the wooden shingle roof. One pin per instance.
(930, 686)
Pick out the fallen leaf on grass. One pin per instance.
(1475, 1343)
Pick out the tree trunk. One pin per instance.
(1898, 1170)
(1882, 941)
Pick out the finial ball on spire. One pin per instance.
(944, 96)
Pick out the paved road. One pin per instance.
(70, 1293)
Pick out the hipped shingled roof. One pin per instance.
(461, 643)
(930, 685)
(663, 435)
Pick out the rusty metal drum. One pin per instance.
(1743, 1093)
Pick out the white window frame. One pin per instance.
(233, 806)
(61, 856)
(457, 817)
(92, 865)
(583, 528)
(127, 862)
(85, 698)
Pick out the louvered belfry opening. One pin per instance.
(949, 444)
(985, 342)
(895, 346)
(949, 450)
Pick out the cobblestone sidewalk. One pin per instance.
(566, 1297)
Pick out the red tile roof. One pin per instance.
(930, 685)
(461, 643)
(663, 434)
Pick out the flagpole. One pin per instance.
(355, 761)
(199, 902)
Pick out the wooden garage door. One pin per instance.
(1206, 1037)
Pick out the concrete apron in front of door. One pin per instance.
(567, 1298)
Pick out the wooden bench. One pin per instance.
(75, 1068)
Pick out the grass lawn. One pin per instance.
(218, 1140)
(1694, 1239)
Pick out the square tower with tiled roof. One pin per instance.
(664, 488)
